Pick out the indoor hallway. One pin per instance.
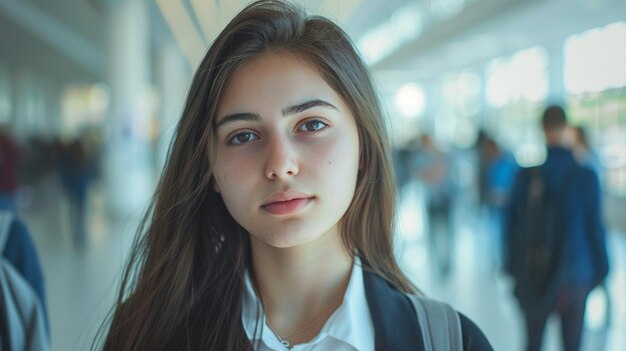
(81, 284)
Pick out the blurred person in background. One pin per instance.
(555, 238)
(480, 153)
(402, 163)
(588, 157)
(433, 168)
(583, 151)
(22, 293)
(19, 248)
(77, 170)
(20, 251)
(499, 174)
(9, 163)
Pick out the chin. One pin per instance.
(290, 240)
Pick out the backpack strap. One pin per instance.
(6, 218)
(440, 323)
(535, 175)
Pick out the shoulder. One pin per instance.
(19, 243)
(402, 321)
(442, 322)
(587, 174)
(585, 181)
(473, 338)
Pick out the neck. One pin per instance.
(300, 287)
(554, 138)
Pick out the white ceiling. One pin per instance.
(483, 30)
(519, 25)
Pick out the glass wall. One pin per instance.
(516, 91)
(595, 82)
(507, 95)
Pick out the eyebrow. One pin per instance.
(291, 110)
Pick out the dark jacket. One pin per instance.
(20, 251)
(395, 320)
(584, 261)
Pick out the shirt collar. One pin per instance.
(351, 323)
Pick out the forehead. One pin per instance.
(272, 81)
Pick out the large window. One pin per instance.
(83, 107)
(458, 115)
(595, 82)
(516, 90)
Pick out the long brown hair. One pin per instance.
(182, 288)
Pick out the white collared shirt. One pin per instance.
(349, 328)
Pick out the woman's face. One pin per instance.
(288, 153)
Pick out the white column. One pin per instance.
(128, 167)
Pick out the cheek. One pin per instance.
(338, 162)
(230, 174)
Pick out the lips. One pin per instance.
(286, 202)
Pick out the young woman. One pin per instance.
(271, 228)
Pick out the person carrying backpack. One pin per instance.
(23, 318)
(555, 239)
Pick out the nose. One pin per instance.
(281, 159)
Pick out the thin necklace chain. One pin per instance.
(314, 322)
(282, 340)
(286, 343)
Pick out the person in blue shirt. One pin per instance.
(21, 252)
(9, 164)
(583, 263)
(23, 312)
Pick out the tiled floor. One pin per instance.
(81, 284)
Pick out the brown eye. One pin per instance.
(242, 138)
(312, 126)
